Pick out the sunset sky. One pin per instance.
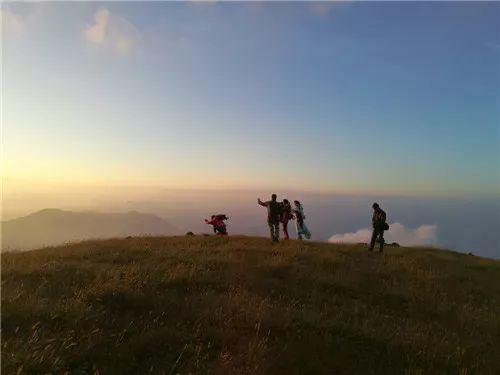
(396, 98)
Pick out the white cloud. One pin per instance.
(423, 235)
(97, 32)
(11, 22)
(112, 31)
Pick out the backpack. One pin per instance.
(221, 217)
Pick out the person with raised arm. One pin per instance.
(273, 216)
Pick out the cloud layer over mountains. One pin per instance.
(422, 235)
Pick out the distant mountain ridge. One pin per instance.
(53, 226)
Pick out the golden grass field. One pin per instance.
(241, 305)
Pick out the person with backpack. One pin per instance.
(300, 225)
(286, 216)
(217, 221)
(379, 226)
(273, 216)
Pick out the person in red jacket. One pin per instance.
(218, 223)
(286, 216)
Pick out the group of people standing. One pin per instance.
(282, 212)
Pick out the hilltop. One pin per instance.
(240, 305)
(53, 226)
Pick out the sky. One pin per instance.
(391, 98)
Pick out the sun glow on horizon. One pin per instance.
(297, 97)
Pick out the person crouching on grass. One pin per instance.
(218, 223)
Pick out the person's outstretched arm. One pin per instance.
(261, 203)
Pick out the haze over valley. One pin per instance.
(454, 223)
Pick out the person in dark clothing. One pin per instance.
(273, 216)
(286, 216)
(379, 226)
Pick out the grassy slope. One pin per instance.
(242, 305)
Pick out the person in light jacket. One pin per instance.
(300, 217)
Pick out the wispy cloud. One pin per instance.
(326, 9)
(321, 8)
(112, 31)
(495, 46)
(16, 22)
(423, 235)
(11, 22)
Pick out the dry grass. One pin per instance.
(240, 305)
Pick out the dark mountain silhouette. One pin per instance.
(53, 226)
